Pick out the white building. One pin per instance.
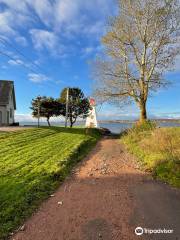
(7, 102)
(91, 121)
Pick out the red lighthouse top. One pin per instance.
(92, 101)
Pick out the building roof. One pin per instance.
(6, 88)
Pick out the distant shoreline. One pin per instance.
(102, 122)
(134, 121)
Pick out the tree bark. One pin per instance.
(71, 122)
(143, 112)
(48, 122)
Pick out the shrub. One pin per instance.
(145, 126)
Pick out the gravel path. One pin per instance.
(106, 197)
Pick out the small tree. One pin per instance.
(79, 106)
(140, 45)
(48, 107)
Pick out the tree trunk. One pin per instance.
(143, 112)
(71, 122)
(48, 122)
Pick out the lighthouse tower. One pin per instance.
(91, 121)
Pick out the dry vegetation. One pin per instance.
(158, 151)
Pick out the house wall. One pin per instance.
(10, 107)
(3, 115)
(5, 110)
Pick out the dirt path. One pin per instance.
(106, 198)
(13, 129)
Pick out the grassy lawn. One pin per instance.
(158, 151)
(33, 162)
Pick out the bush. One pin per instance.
(145, 126)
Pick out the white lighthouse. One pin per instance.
(91, 121)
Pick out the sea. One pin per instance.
(114, 127)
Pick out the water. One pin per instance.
(114, 127)
(119, 127)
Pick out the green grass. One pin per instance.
(32, 164)
(158, 151)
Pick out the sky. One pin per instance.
(46, 45)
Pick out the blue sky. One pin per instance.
(59, 38)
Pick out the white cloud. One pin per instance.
(24, 118)
(167, 115)
(66, 11)
(110, 112)
(11, 22)
(22, 41)
(37, 62)
(29, 10)
(97, 29)
(16, 5)
(86, 18)
(113, 114)
(6, 23)
(16, 62)
(67, 20)
(88, 50)
(44, 10)
(60, 11)
(37, 78)
(43, 39)
(28, 118)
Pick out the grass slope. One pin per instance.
(158, 151)
(32, 164)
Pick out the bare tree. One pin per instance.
(140, 45)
